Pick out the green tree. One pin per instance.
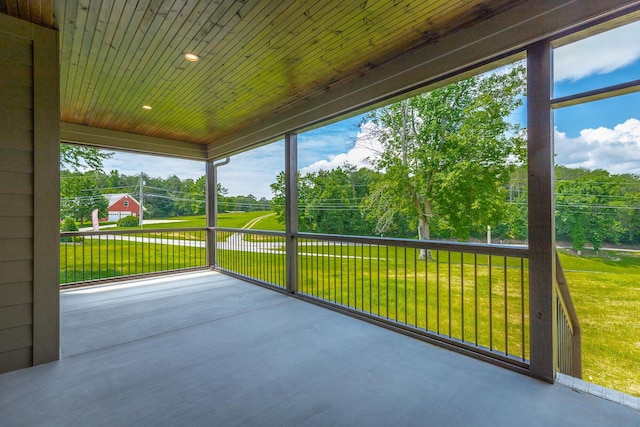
(448, 154)
(198, 196)
(329, 201)
(76, 158)
(628, 208)
(80, 195)
(587, 209)
(185, 198)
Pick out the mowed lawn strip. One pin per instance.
(606, 292)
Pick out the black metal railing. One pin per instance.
(104, 255)
(568, 332)
(252, 254)
(473, 296)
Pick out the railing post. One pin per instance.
(211, 213)
(542, 316)
(291, 209)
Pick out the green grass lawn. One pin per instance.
(606, 292)
(228, 220)
(258, 220)
(94, 259)
(269, 223)
(197, 221)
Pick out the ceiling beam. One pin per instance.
(514, 29)
(110, 139)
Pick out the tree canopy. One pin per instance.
(329, 201)
(448, 154)
(76, 158)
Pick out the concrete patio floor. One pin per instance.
(205, 349)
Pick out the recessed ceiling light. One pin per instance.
(147, 107)
(191, 57)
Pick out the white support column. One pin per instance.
(542, 266)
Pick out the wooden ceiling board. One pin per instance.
(105, 30)
(331, 53)
(182, 73)
(113, 71)
(151, 20)
(36, 11)
(268, 68)
(258, 57)
(81, 51)
(200, 86)
(166, 66)
(232, 58)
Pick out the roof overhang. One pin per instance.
(270, 67)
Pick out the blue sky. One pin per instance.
(603, 134)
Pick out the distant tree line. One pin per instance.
(82, 192)
(592, 207)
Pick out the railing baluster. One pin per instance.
(395, 255)
(475, 297)
(438, 292)
(415, 287)
(378, 252)
(522, 298)
(386, 293)
(362, 276)
(462, 295)
(83, 255)
(405, 286)
(449, 289)
(490, 305)
(506, 311)
(426, 290)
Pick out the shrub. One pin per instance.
(128, 221)
(68, 225)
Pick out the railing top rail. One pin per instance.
(249, 231)
(565, 296)
(131, 231)
(478, 248)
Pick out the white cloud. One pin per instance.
(600, 54)
(616, 150)
(361, 155)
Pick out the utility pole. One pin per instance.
(141, 195)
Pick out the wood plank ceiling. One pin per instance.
(257, 56)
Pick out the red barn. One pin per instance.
(121, 205)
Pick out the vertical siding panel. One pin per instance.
(46, 196)
(16, 197)
(29, 194)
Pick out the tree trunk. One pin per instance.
(424, 234)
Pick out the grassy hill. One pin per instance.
(258, 220)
